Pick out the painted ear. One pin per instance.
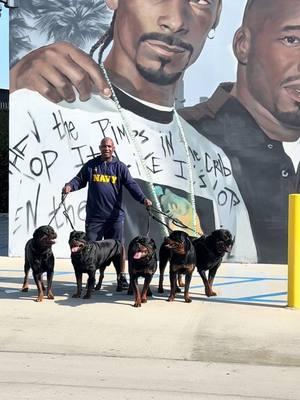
(241, 45)
(112, 4)
(216, 23)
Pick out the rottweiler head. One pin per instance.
(77, 241)
(223, 240)
(179, 242)
(141, 248)
(44, 236)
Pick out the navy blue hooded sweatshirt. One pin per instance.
(106, 180)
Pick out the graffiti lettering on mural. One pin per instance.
(31, 206)
(39, 163)
(52, 142)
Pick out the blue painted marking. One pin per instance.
(64, 273)
(251, 300)
(260, 296)
(251, 277)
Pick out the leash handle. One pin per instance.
(65, 212)
(63, 197)
(148, 222)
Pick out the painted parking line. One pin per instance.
(237, 282)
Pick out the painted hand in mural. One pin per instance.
(55, 70)
(179, 208)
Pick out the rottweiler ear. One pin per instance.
(187, 244)
(153, 244)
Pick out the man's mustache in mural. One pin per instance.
(176, 45)
(292, 118)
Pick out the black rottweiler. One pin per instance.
(88, 256)
(39, 257)
(210, 251)
(142, 262)
(179, 251)
(165, 256)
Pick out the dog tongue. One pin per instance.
(75, 249)
(138, 255)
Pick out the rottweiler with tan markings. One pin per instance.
(179, 251)
(89, 256)
(210, 251)
(142, 262)
(40, 259)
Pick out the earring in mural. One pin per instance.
(211, 34)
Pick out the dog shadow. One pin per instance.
(10, 288)
(107, 295)
(64, 290)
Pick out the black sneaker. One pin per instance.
(122, 284)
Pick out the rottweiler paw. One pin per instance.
(144, 300)
(137, 305)
(210, 294)
(97, 287)
(76, 296)
(87, 296)
(188, 300)
(50, 296)
(171, 298)
(39, 299)
(24, 289)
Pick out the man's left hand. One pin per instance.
(147, 203)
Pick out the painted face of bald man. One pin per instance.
(273, 59)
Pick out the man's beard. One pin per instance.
(289, 119)
(159, 76)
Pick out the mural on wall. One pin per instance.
(230, 161)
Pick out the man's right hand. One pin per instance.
(66, 189)
(55, 70)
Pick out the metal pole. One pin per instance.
(294, 252)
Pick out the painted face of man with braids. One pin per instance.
(153, 43)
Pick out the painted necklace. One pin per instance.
(141, 160)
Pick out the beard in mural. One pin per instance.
(152, 46)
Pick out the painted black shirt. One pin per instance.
(264, 173)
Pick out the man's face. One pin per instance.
(106, 149)
(163, 37)
(273, 69)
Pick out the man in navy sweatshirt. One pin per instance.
(106, 177)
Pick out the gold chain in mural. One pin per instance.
(141, 160)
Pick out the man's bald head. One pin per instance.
(257, 11)
(107, 147)
(267, 48)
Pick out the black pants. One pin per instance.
(110, 229)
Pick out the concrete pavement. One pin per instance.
(244, 344)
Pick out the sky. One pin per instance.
(4, 48)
